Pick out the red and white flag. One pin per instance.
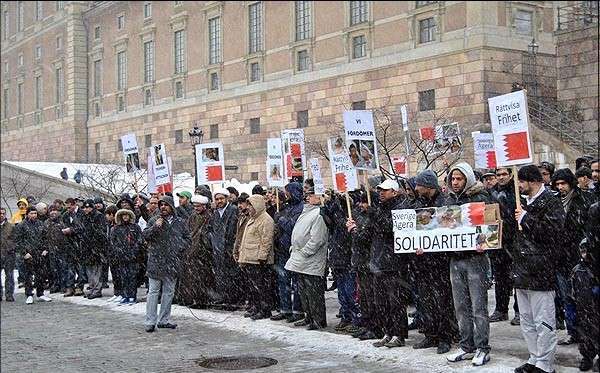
(400, 166)
(473, 214)
(210, 163)
(483, 150)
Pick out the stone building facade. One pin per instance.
(243, 71)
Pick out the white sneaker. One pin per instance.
(118, 299)
(459, 355)
(380, 343)
(111, 299)
(45, 298)
(481, 357)
(29, 300)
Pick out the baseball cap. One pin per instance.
(185, 194)
(389, 184)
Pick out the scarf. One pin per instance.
(566, 200)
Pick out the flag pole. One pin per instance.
(517, 193)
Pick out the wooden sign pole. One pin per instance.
(277, 197)
(517, 193)
(367, 187)
(348, 205)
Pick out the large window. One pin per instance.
(120, 22)
(303, 60)
(358, 12)
(148, 97)
(147, 9)
(254, 72)
(214, 36)
(427, 30)
(523, 22)
(178, 89)
(302, 20)
(214, 81)
(97, 78)
(255, 27)
(20, 15)
(179, 51)
(39, 10)
(59, 85)
(121, 70)
(6, 25)
(38, 92)
(427, 100)
(359, 46)
(149, 61)
(20, 98)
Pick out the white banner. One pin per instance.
(315, 170)
(275, 177)
(159, 163)
(210, 163)
(510, 125)
(293, 153)
(130, 152)
(360, 139)
(343, 172)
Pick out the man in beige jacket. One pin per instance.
(256, 257)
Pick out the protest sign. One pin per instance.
(315, 170)
(510, 125)
(447, 228)
(274, 163)
(160, 166)
(131, 152)
(152, 187)
(343, 172)
(404, 114)
(447, 137)
(400, 166)
(293, 153)
(427, 133)
(483, 150)
(210, 165)
(360, 139)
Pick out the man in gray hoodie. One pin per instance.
(308, 254)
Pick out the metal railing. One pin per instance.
(578, 15)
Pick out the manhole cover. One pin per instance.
(236, 362)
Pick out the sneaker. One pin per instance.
(260, 316)
(351, 329)
(45, 298)
(111, 299)
(426, 343)
(149, 328)
(124, 301)
(368, 335)
(443, 347)
(78, 292)
(167, 326)
(525, 368)
(459, 355)
(10, 298)
(395, 342)
(359, 332)
(567, 341)
(303, 322)
(342, 325)
(481, 357)
(118, 299)
(29, 300)
(294, 318)
(250, 313)
(280, 316)
(68, 293)
(380, 343)
(131, 301)
(586, 364)
(516, 320)
(498, 316)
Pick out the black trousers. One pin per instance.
(129, 282)
(432, 276)
(366, 300)
(260, 294)
(116, 271)
(391, 299)
(501, 263)
(36, 274)
(588, 322)
(312, 297)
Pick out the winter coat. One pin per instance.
(7, 242)
(19, 216)
(125, 238)
(29, 238)
(184, 212)
(361, 245)
(239, 233)
(427, 264)
(53, 236)
(286, 219)
(94, 242)
(505, 196)
(257, 242)
(72, 242)
(381, 236)
(591, 243)
(224, 230)
(201, 231)
(536, 257)
(339, 250)
(577, 216)
(166, 245)
(308, 252)
(474, 191)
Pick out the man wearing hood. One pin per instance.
(225, 219)
(197, 281)
(256, 256)
(541, 218)
(308, 256)
(73, 221)
(126, 240)
(287, 282)
(30, 245)
(168, 237)
(432, 272)
(576, 204)
(94, 244)
(42, 210)
(468, 275)
(19, 216)
(7, 255)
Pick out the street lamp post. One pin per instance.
(533, 48)
(196, 135)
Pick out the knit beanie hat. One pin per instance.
(530, 173)
(428, 179)
(565, 175)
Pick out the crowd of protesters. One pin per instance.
(266, 253)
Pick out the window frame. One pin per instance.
(300, 119)
(423, 100)
(359, 12)
(97, 83)
(428, 27)
(362, 45)
(255, 74)
(214, 40)
(255, 27)
(303, 24)
(121, 70)
(254, 124)
(299, 59)
(147, 9)
(148, 50)
(179, 51)
(520, 21)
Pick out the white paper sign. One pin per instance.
(159, 162)
(483, 150)
(275, 172)
(315, 170)
(404, 113)
(294, 157)
(360, 139)
(343, 172)
(131, 152)
(210, 163)
(510, 125)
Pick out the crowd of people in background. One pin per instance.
(270, 256)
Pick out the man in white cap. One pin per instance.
(226, 269)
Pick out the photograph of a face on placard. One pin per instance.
(275, 172)
(158, 155)
(133, 162)
(362, 153)
(210, 154)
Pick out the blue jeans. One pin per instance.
(567, 302)
(346, 283)
(287, 286)
(167, 285)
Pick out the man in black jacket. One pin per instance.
(94, 244)
(576, 204)
(468, 275)
(72, 220)
(542, 219)
(432, 273)
(501, 259)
